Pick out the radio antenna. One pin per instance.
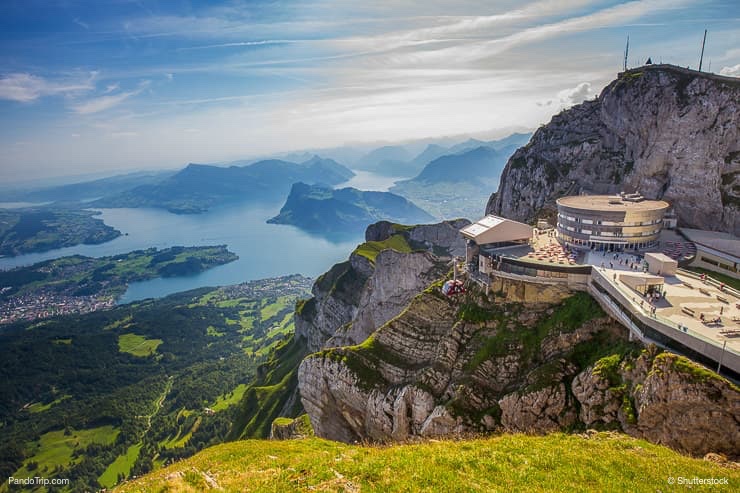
(626, 52)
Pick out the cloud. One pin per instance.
(111, 87)
(102, 103)
(733, 71)
(24, 87)
(242, 43)
(80, 23)
(576, 94)
(473, 50)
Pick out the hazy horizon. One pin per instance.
(102, 88)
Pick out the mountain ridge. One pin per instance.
(199, 187)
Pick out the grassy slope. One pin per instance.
(371, 249)
(265, 398)
(557, 462)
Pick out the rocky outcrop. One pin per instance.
(665, 399)
(667, 132)
(357, 296)
(441, 238)
(291, 429)
(449, 365)
(475, 363)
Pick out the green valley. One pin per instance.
(138, 386)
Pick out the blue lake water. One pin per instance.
(265, 250)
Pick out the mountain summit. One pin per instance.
(667, 132)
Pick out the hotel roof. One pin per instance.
(610, 203)
(494, 229)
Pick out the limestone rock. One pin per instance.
(537, 412)
(667, 132)
(665, 399)
(355, 297)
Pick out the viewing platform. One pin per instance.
(688, 313)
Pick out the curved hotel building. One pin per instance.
(610, 222)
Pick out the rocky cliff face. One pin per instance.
(667, 132)
(475, 363)
(377, 282)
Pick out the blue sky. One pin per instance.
(91, 86)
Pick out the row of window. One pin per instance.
(618, 234)
(586, 243)
(608, 223)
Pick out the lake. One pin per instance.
(265, 250)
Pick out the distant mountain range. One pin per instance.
(397, 160)
(482, 165)
(88, 189)
(199, 187)
(457, 183)
(321, 209)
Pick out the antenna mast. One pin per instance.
(626, 52)
(701, 58)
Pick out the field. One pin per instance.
(138, 345)
(55, 448)
(120, 467)
(226, 400)
(552, 463)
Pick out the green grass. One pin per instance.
(66, 341)
(272, 309)
(224, 401)
(181, 440)
(508, 463)
(246, 322)
(214, 332)
(730, 281)
(38, 407)
(137, 345)
(122, 465)
(55, 448)
(371, 249)
(698, 372)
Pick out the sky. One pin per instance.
(97, 86)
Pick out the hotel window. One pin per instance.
(586, 231)
(587, 221)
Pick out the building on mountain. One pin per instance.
(490, 234)
(612, 223)
(715, 251)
